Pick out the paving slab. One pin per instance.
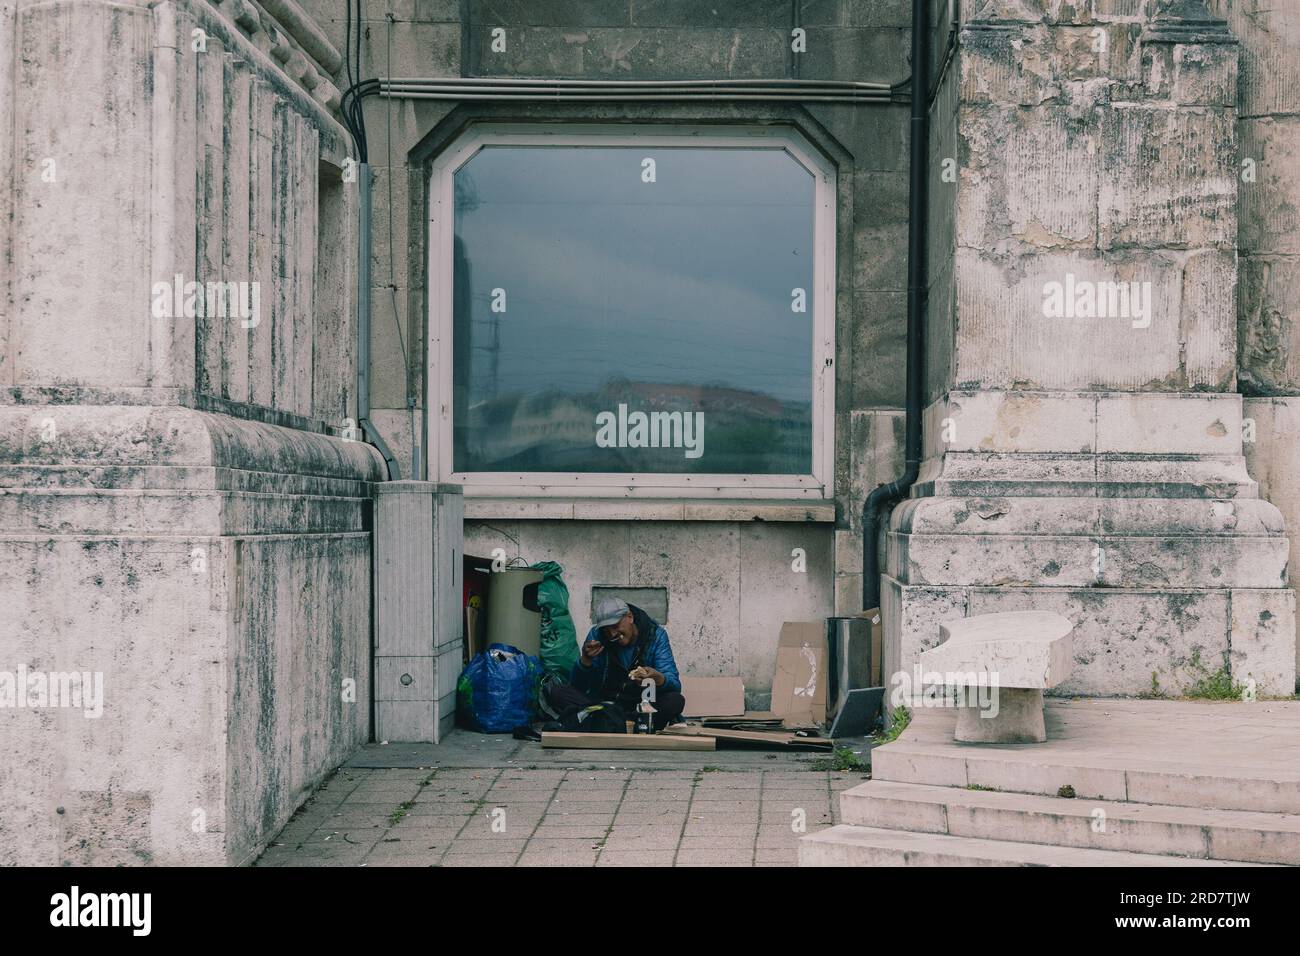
(549, 858)
(425, 805)
(464, 749)
(637, 858)
(714, 857)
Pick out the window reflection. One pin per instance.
(603, 323)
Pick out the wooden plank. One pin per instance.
(626, 741)
(769, 738)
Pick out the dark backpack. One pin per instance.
(605, 717)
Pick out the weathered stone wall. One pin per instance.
(1268, 235)
(180, 508)
(1095, 140)
(1268, 245)
(864, 40)
(1091, 462)
(1273, 457)
(944, 161)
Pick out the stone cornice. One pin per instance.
(281, 29)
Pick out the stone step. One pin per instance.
(1024, 769)
(1107, 561)
(848, 845)
(1192, 832)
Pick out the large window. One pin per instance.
(632, 312)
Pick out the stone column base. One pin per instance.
(215, 572)
(1130, 514)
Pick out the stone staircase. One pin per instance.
(1175, 785)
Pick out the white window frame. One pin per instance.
(818, 485)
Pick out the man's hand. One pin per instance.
(641, 673)
(590, 651)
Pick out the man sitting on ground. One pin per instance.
(625, 646)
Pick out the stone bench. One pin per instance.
(1013, 656)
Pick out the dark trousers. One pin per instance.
(668, 704)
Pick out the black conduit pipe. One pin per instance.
(884, 497)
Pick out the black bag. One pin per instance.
(605, 717)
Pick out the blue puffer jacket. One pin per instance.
(656, 652)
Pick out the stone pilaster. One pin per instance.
(1084, 441)
(181, 508)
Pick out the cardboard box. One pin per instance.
(714, 696)
(799, 687)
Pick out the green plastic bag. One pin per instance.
(559, 644)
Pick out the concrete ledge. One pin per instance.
(113, 436)
(1088, 516)
(647, 509)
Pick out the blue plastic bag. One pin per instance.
(497, 690)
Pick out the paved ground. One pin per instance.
(480, 800)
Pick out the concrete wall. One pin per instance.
(863, 40)
(729, 584)
(181, 509)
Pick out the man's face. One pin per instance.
(624, 632)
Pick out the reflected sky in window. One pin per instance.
(672, 296)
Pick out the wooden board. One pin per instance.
(626, 741)
(779, 738)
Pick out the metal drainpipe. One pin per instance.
(884, 496)
(363, 327)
